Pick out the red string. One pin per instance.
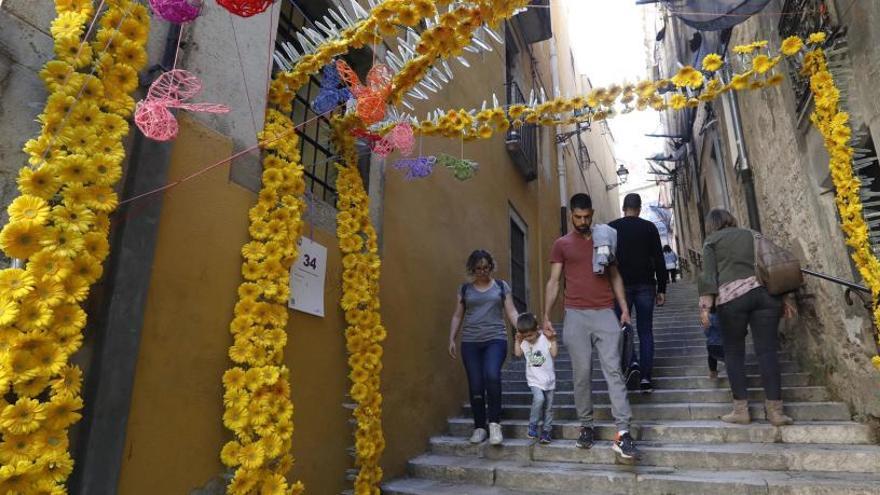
(221, 162)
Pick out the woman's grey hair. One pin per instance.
(718, 219)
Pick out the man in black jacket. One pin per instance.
(641, 263)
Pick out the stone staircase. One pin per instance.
(685, 448)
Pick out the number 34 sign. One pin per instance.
(307, 276)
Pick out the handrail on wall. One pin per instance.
(860, 291)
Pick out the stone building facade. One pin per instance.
(774, 175)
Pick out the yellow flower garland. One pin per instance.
(59, 225)
(258, 407)
(360, 301)
(834, 126)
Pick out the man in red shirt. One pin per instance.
(590, 320)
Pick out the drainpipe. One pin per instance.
(744, 170)
(109, 384)
(719, 164)
(560, 149)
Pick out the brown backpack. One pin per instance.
(777, 269)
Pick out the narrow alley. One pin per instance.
(685, 448)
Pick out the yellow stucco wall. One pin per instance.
(428, 229)
(174, 430)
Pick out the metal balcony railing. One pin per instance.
(522, 142)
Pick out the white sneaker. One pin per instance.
(495, 437)
(479, 435)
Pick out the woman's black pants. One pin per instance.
(759, 312)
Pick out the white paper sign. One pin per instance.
(307, 278)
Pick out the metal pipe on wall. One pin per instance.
(744, 169)
(560, 149)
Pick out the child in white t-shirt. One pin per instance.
(539, 351)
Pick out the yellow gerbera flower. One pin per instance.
(28, 208)
(22, 417)
(61, 411)
(76, 288)
(235, 418)
(123, 78)
(88, 268)
(689, 77)
(63, 242)
(744, 49)
(81, 6)
(133, 31)
(101, 198)
(33, 316)
(57, 466)
(775, 79)
(763, 63)
(21, 239)
(68, 318)
(678, 101)
(40, 182)
(712, 62)
(55, 73)
(68, 382)
(791, 45)
(47, 265)
(70, 50)
(8, 311)
(817, 38)
(68, 25)
(131, 53)
(243, 482)
(32, 387)
(741, 81)
(19, 474)
(77, 218)
(229, 453)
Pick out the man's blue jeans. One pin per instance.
(642, 298)
(482, 363)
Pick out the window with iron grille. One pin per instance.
(314, 130)
(802, 18)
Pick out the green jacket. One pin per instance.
(728, 255)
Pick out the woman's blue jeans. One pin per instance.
(482, 363)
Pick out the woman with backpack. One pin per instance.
(480, 309)
(729, 282)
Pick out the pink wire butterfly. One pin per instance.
(153, 114)
(372, 98)
(400, 137)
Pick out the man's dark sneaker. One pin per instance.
(545, 437)
(646, 386)
(585, 440)
(625, 447)
(633, 376)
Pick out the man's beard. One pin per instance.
(583, 229)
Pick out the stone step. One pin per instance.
(416, 486)
(697, 431)
(659, 353)
(789, 394)
(735, 456)
(572, 478)
(672, 382)
(663, 349)
(800, 411)
(699, 369)
(564, 362)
